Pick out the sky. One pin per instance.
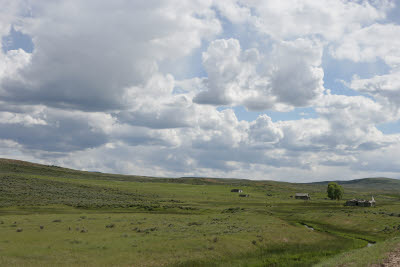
(295, 90)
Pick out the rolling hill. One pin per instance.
(8, 166)
(375, 184)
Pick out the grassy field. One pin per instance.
(52, 216)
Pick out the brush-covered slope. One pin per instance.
(23, 168)
(11, 166)
(370, 184)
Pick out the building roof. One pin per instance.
(302, 195)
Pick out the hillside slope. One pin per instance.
(372, 184)
(8, 166)
(11, 166)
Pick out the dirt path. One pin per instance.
(393, 260)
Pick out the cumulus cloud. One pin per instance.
(346, 124)
(378, 41)
(9, 14)
(292, 19)
(385, 160)
(55, 130)
(85, 57)
(290, 77)
(297, 77)
(155, 106)
(11, 62)
(25, 119)
(353, 122)
(231, 73)
(384, 88)
(263, 131)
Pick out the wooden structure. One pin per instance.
(304, 196)
(237, 190)
(361, 202)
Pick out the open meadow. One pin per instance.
(51, 216)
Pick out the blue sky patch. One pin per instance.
(17, 40)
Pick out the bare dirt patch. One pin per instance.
(393, 259)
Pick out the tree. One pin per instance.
(331, 189)
(338, 192)
(335, 191)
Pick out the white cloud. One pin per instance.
(289, 76)
(12, 62)
(264, 131)
(380, 161)
(25, 119)
(292, 18)
(353, 120)
(155, 106)
(296, 72)
(384, 88)
(232, 74)
(9, 14)
(85, 57)
(378, 41)
(55, 130)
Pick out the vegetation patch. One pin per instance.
(21, 191)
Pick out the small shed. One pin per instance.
(244, 195)
(237, 190)
(361, 202)
(304, 196)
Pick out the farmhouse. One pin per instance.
(304, 196)
(237, 190)
(361, 202)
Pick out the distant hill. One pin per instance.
(24, 168)
(11, 166)
(376, 183)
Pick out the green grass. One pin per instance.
(146, 238)
(17, 191)
(96, 219)
(375, 254)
